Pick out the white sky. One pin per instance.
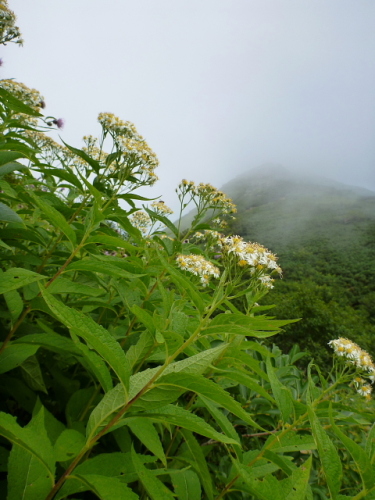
(215, 86)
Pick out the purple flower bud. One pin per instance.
(42, 104)
(217, 257)
(1, 62)
(59, 123)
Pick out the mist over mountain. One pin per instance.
(277, 207)
(323, 232)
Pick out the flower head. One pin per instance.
(358, 357)
(199, 266)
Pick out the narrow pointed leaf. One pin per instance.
(95, 335)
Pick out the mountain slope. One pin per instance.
(324, 234)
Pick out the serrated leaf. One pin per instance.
(298, 482)
(328, 455)
(154, 487)
(281, 393)
(186, 485)
(17, 277)
(97, 336)
(205, 387)
(290, 442)
(240, 324)
(68, 445)
(141, 348)
(180, 417)
(144, 430)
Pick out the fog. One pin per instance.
(215, 86)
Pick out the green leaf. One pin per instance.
(222, 420)
(96, 336)
(94, 364)
(199, 461)
(144, 430)
(11, 167)
(281, 393)
(98, 267)
(8, 156)
(164, 220)
(9, 215)
(14, 355)
(295, 487)
(16, 104)
(68, 445)
(144, 317)
(66, 175)
(62, 285)
(116, 398)
(51, 341)
(31, 464)
(17, 277)
(240, 324)
(154, 487)
(359, 456)
(14, 303)
(106, 488)
(93, 163)
(290, 442)
(55, 218)
(244, 379)
(112, 401)
(33, 374)
(328, 455)
(113, 464)
(205, 387)
(141, 348)
(180, 417)
(267, 489)
(186, 485)
(370, 444)
(111, 241)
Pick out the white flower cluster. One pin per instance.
(29, 96)
(8, 31)
(208, 196)
(359, 358)
(141, 221)
(161, 208)
(252, 255)
(134, 147)
(199, 266)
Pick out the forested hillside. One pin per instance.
(324, 234)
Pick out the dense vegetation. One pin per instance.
(324, 235)
(132, 356)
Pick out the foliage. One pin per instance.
(127, 369)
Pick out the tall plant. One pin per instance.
(132, 360)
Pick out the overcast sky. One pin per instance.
(215, 86)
